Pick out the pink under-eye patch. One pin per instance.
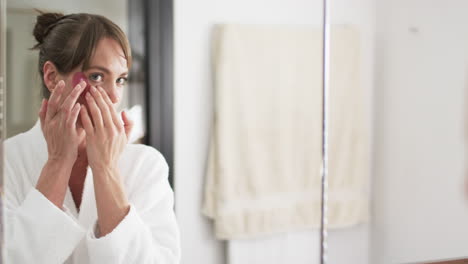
(77, 77)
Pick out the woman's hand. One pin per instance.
(58, 117)
(106, 135)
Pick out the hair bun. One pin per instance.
(44, 23)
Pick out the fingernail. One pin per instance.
(93, 89)
(88, 96)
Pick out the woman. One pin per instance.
(76, 192)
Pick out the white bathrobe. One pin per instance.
(38, 232)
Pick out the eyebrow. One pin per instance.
(104, 69)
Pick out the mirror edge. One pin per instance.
(2, 119)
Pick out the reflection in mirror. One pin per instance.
(78, 188)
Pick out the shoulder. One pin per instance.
(144, 153)
(24, 156)
(25, 146)
(144, 159)
(143, 168)
(15, 144)
(14, 154)
(23, 149)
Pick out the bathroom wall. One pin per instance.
(193, 21)
(420, 212)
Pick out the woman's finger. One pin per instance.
(86, 121)
(95, 113)
(106, 115)
(71, 99)
(115, 117)
(71, 121)
(128, 124)
(42, 111)
(53, 103)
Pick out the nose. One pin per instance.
(112, 92)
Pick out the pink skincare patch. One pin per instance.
(77, 77)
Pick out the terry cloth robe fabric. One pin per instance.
(39, 232)
(264, 164)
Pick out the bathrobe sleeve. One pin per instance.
(149, 232)
(37, 230)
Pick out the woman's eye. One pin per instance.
(122, 80)
(95, 77)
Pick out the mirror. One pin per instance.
(242, 86)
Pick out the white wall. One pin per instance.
(420, 212)
(193, 21)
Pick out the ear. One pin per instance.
(51, 75)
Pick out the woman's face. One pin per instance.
(107, 69)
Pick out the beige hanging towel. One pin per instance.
(263, 172)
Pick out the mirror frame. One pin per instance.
(2, 115)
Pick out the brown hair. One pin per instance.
(68, 41)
